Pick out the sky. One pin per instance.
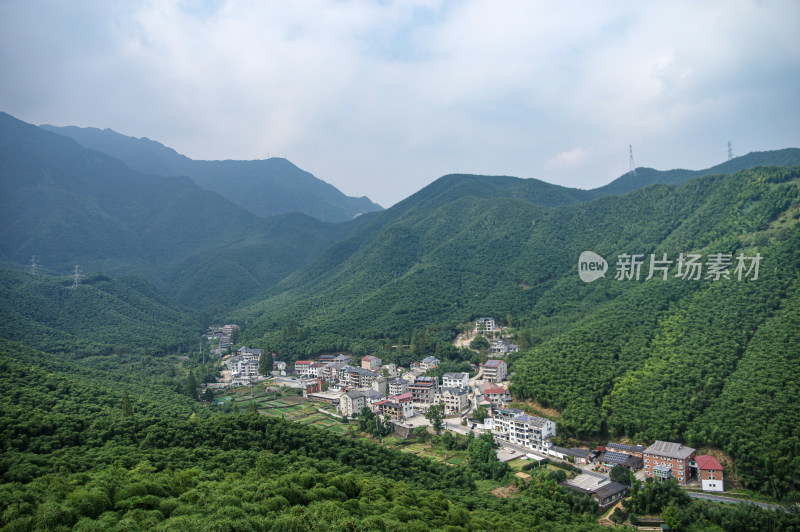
(382, 98)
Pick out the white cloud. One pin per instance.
(382, 98)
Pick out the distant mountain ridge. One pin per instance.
(266, 187)
(649, 176)
(70, 205)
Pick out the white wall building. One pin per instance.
(455, 380)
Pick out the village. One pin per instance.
(345, 389)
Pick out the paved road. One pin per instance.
(731, 500)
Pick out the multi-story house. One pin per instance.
(398, 386)
(423, 390)
(398, 407)
(495, 370)
(391, 370)
(351, 403)
(381, 384)
(664, 460)
(359, 377)
(342, 358)
(455, 399)
(371, 363)
(485, 325)
(498, 397)
(243, 367)
(303, 367)
(710, 472)
(316, 370)
(514, 426)
(429, 363)
(455, 380)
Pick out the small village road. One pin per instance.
(731, 500)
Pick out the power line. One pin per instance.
(34, 265)
(632, 169)
(730, 150)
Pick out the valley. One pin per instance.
(356, 336)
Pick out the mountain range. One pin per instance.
(264, 187)
(706, 361)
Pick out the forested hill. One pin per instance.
(265, 187)
(68, 205)
(655, 359)
(102, 313)
(648, 176)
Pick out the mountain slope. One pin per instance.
(264, 187)
(648, 176)
(69, 205)
(100, 314)
(647, 359)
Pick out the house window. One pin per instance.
(647, 461)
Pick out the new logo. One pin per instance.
(591, 266)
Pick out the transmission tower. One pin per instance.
(34, 265)
(76, 277)
(632, 170)
(730, 150)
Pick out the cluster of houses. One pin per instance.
(662, 460)
(244, 365)
(223, 335)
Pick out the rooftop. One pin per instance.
(531, 420)
(707, 462)
(669, 450)
(493, 363)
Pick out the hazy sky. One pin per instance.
(381, 98)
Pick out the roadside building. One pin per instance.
(423, 390)
(611, 459)
(303, 367)
(710, 472)
(398, 407)
(455, 399)
(634, 450)
(664, 460)
(514, 426)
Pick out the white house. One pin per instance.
(485, 325)
(455, 380)
(514, 426)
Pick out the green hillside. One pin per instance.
(68, 205)
(648, 359)
(101, 314)
(265, 187)
(648, 176)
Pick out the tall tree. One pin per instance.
(191, 385)
(265, 364)
(435, 415)
(127, 409)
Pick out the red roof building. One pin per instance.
(710, 472)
